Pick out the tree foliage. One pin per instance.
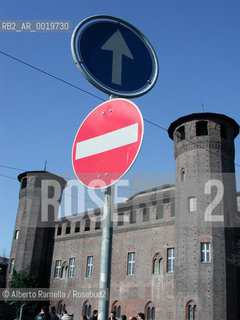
(24, 279)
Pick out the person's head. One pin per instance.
(84, 318)
(134, 318)
(64, 312)
(141, 316)
(44, 310)
(113, 314)
(53, 309)
(123, 317)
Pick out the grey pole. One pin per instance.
(21, 311)
(106, 253)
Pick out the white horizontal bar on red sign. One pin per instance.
(108, 141)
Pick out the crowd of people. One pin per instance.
(44, 314)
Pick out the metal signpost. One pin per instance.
(117, 59)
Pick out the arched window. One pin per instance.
(87, 309)
(64, 270)
(116, 308)
(157, 264)
(191, 310)
(150, 311)
(182, 175)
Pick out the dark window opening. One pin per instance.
(77, 226)
(120, 219)
(16, 234)
(97, 214)
(145, 214)
(87, 224)
(68, 228)
(59, 231)
(132, 216)
(181, 133)
(24, 183)
(98, 225)
(159, 213)
(223, 131)
(201, 128)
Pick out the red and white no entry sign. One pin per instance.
(107, 143)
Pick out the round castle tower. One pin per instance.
(33, 239)
(206, 208)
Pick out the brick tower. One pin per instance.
(33, 239)
(206, 213)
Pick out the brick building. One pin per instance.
(174, 246)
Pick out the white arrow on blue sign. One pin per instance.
(118, 46)
(114, 56)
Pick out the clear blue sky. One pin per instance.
(198, 48)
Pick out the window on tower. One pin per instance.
(170, 259)
(192, 204)
(11, 266)
(201, 128)
(191, 310)
(205, 252)
(16, 234)
(182, 175)
(181, 133)
(223, 131)
(24, 183)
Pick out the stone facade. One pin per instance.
(173, 249)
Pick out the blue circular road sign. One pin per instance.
(114, 56)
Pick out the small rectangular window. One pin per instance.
(11, 267)
(120, 219)
(89, 268)
(71, 267)
(170, 259)
(16, 234)
(59, 230)
(145, 214)
(68, 228)
(24, 183)
(205, 252)
(97, 215)
(159, 211)
(131, 263)
(132, 218)
(201, 128)
(87, 224)
(181, 133)
(98, 224)
(77, 227)
(57, 272)
(192, 204)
